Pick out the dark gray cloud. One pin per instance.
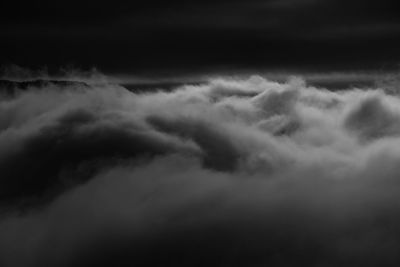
(144, 36)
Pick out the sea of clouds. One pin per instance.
(232, 172)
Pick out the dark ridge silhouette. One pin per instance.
(331, 85)
(11, 87)
(158, 86)
(342, 85)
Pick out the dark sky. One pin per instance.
(148, 35)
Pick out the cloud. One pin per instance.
(243, 172)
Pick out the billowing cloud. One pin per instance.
(232, 172)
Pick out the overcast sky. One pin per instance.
(116, 36)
